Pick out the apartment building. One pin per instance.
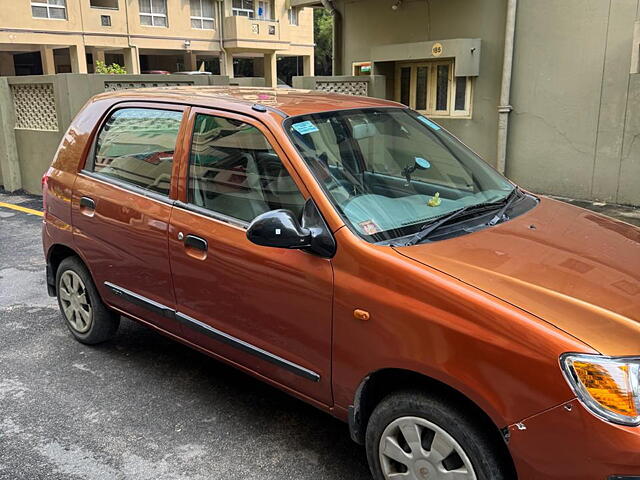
(61, 36)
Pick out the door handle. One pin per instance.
(87, 206)
(87, 202)
(196, 242)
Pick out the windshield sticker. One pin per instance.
(369, 227)
(303, 128)
(429, 123)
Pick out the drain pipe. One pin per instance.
(223, 51)
(504, 109)
(336, 66)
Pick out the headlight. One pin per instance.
(609, 387)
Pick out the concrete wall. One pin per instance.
(574, 129)
(573, 100)
(26, 149)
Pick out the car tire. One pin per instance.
(430, 434)
(86, 316)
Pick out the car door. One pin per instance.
(266, 309)
(121, 205)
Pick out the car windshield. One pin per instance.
(391, 171)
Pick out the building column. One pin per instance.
(131, 60)
(78, 58)
(226, 64)
(97, 54)
(190, 62)
(7, 67)
(258, 67)
(270, 70)
(308, 67)
(9, 160)
(48, 62)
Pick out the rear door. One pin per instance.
(121, 206)
(266, 309)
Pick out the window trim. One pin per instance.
(431, 88)
(153, 15)
(183, 179)
(48, 6)
(86, 166)
(202, 18)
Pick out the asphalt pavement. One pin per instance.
(139, 407)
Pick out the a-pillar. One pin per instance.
(48, 61)
(308, 68)
(131, 60)
(78, 58)
(270, 70)
(7, 66)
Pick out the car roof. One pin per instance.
(286, 102)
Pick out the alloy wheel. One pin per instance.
(75, 301)
(413, 448)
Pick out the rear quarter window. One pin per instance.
(136, 146)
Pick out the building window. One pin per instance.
(431, 87)
(105, 20)
(265, 10)
(243, 8)
(153, 13)
(294, 16)
(202, 14)
(109, 4)
(55, 9)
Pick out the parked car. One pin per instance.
(193, 72)
(354, 254)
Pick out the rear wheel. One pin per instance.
(88, 319)
(413, 436)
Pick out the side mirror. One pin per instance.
(280, 229)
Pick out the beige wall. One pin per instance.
(373, 22)
(575, 125)
(573, 100)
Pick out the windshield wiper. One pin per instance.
(500, 216)
(431, 227)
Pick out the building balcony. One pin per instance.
(252, 33)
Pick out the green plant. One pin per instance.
(114, 68)
(323, 34)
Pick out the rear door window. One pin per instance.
(136, 146)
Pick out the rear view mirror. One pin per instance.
(280, 229)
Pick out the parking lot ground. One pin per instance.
(141, 406)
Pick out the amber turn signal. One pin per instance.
(607, 386)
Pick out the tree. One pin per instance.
(114, 68)
(323, 35)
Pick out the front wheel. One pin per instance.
(88, 319)
(413, 436)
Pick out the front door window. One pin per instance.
(234, 172)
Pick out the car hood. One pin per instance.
(573, 268)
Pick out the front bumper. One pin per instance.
(569, 443)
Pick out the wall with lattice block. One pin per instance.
(348, 88)
(35, 107)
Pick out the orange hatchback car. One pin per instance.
(351, 252)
